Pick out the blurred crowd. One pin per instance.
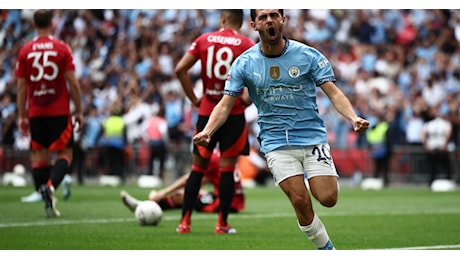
(392, 64)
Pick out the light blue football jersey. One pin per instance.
(283, 89)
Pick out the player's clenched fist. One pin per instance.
(202, 139)
(360, 125)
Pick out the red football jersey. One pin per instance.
(43, 63)
(216, 51)
(213, 175)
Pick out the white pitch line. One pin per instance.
(53, 222)
(421, 247)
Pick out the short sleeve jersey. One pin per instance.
(216, 51)
(43, 62)
(283, 89)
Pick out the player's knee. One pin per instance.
(298, 201)
(328, 199)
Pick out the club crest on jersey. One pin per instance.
(275, 72)
(294, 72)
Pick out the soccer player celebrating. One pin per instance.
(44, 67)
(282, 77)
(216, 51)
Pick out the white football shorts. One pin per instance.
(309, 160)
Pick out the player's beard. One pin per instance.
(272, 35)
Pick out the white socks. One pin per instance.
(317, 234)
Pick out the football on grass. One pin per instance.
(148, 213)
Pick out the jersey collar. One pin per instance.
(286, 45)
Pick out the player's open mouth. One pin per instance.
(271, 31)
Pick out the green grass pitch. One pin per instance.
(94, 218)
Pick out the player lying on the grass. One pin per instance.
(172, 196)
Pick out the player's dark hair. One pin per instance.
(235, 16)
(254, 15)
(43, 18)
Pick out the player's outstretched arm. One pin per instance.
(342, 104)
(163, 193)
(218, 117)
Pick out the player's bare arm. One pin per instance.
(181, 71)
(23, 122)
(342, 104)
(163, 193)
(75, 93)
(246, 100)
(218, 117)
